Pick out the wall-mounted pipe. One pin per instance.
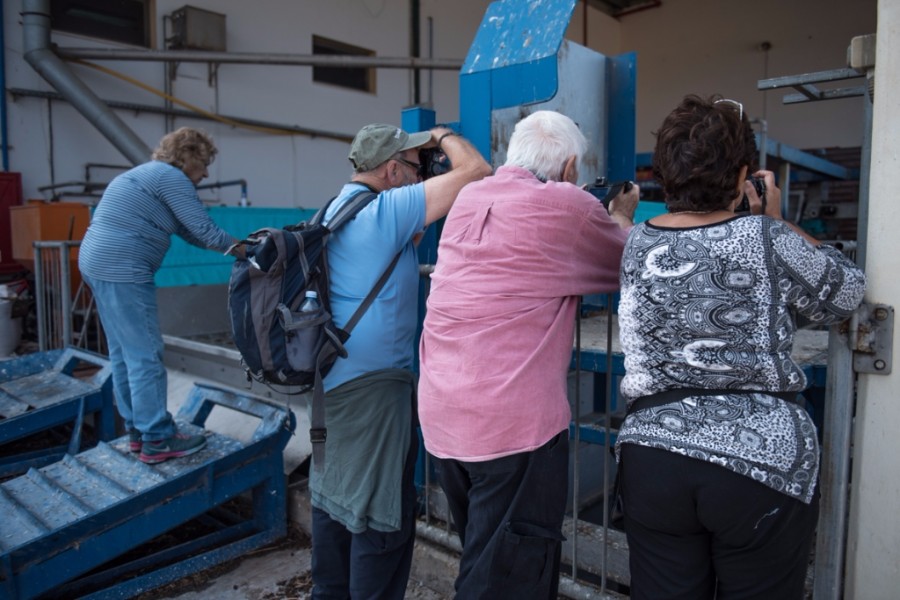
(314, 60)
(36, 36)
(221, 184)
(4, 132)
(131, 106)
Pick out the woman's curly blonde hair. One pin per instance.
(185, 145)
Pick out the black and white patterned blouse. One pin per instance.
(711, 307)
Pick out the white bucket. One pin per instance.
(10, 329)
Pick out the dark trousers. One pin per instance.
(509, 515)
(697, 530)
(372, 565)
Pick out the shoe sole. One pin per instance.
(152, 459)
(135, 446)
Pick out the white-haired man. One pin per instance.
(516, 252)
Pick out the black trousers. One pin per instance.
(509, 515)
(697, 530)
(372, 565)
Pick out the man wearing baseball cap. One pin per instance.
(363, 497)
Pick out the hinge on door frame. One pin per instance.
(871, 336)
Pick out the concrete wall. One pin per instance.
(51, 142)
(683, 46)
(707, 46)
(873, 563)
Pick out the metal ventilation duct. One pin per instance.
(36, 36)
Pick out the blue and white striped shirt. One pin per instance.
(131, 227)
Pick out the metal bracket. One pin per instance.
(809, 92)
(872, 338)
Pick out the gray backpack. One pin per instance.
(279, 344)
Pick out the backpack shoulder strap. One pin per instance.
(317, 431)
(350, 209)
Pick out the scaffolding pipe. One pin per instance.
(36, 38)
(255, 58)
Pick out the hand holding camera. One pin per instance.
(433, 161)
(759, 186)
(620, 199)
(605, 191)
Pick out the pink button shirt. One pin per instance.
(514, 256)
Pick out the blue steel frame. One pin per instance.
(61, 559)
(44, 383)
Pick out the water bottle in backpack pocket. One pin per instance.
(304, 334)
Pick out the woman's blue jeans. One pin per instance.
(130, 320)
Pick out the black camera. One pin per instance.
(605, 191)
(759, 185)
(433, 162)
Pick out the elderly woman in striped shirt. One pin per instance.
(123, 248)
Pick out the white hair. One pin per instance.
(543, 141)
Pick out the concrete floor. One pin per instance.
(258, 577)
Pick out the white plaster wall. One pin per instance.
(873, 553)
(280, 170)
(707, 46)
(683, 46)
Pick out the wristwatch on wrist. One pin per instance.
(441, 139)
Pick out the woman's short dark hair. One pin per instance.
(700, 149)
(185, 145)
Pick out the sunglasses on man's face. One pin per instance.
(417, 167)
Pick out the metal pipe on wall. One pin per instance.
(414, 49)
(37, 52)
(292, 129)
(317, 60)
(4, 132)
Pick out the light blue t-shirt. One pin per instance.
(358, 254)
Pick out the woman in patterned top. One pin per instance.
(123, 248)
(719, 460)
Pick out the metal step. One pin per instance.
(66, 519)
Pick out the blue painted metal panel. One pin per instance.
(512, 62)
(518, 31)
(475, 110)
(621, 117)
(524, 84)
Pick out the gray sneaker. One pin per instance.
(176, 446)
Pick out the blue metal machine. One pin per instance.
(63, 523)
(44, 391)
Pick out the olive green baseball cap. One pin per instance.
(376, 143)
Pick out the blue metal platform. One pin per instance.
(64, 524)
(42, 391)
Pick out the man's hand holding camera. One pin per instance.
(622, 207)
